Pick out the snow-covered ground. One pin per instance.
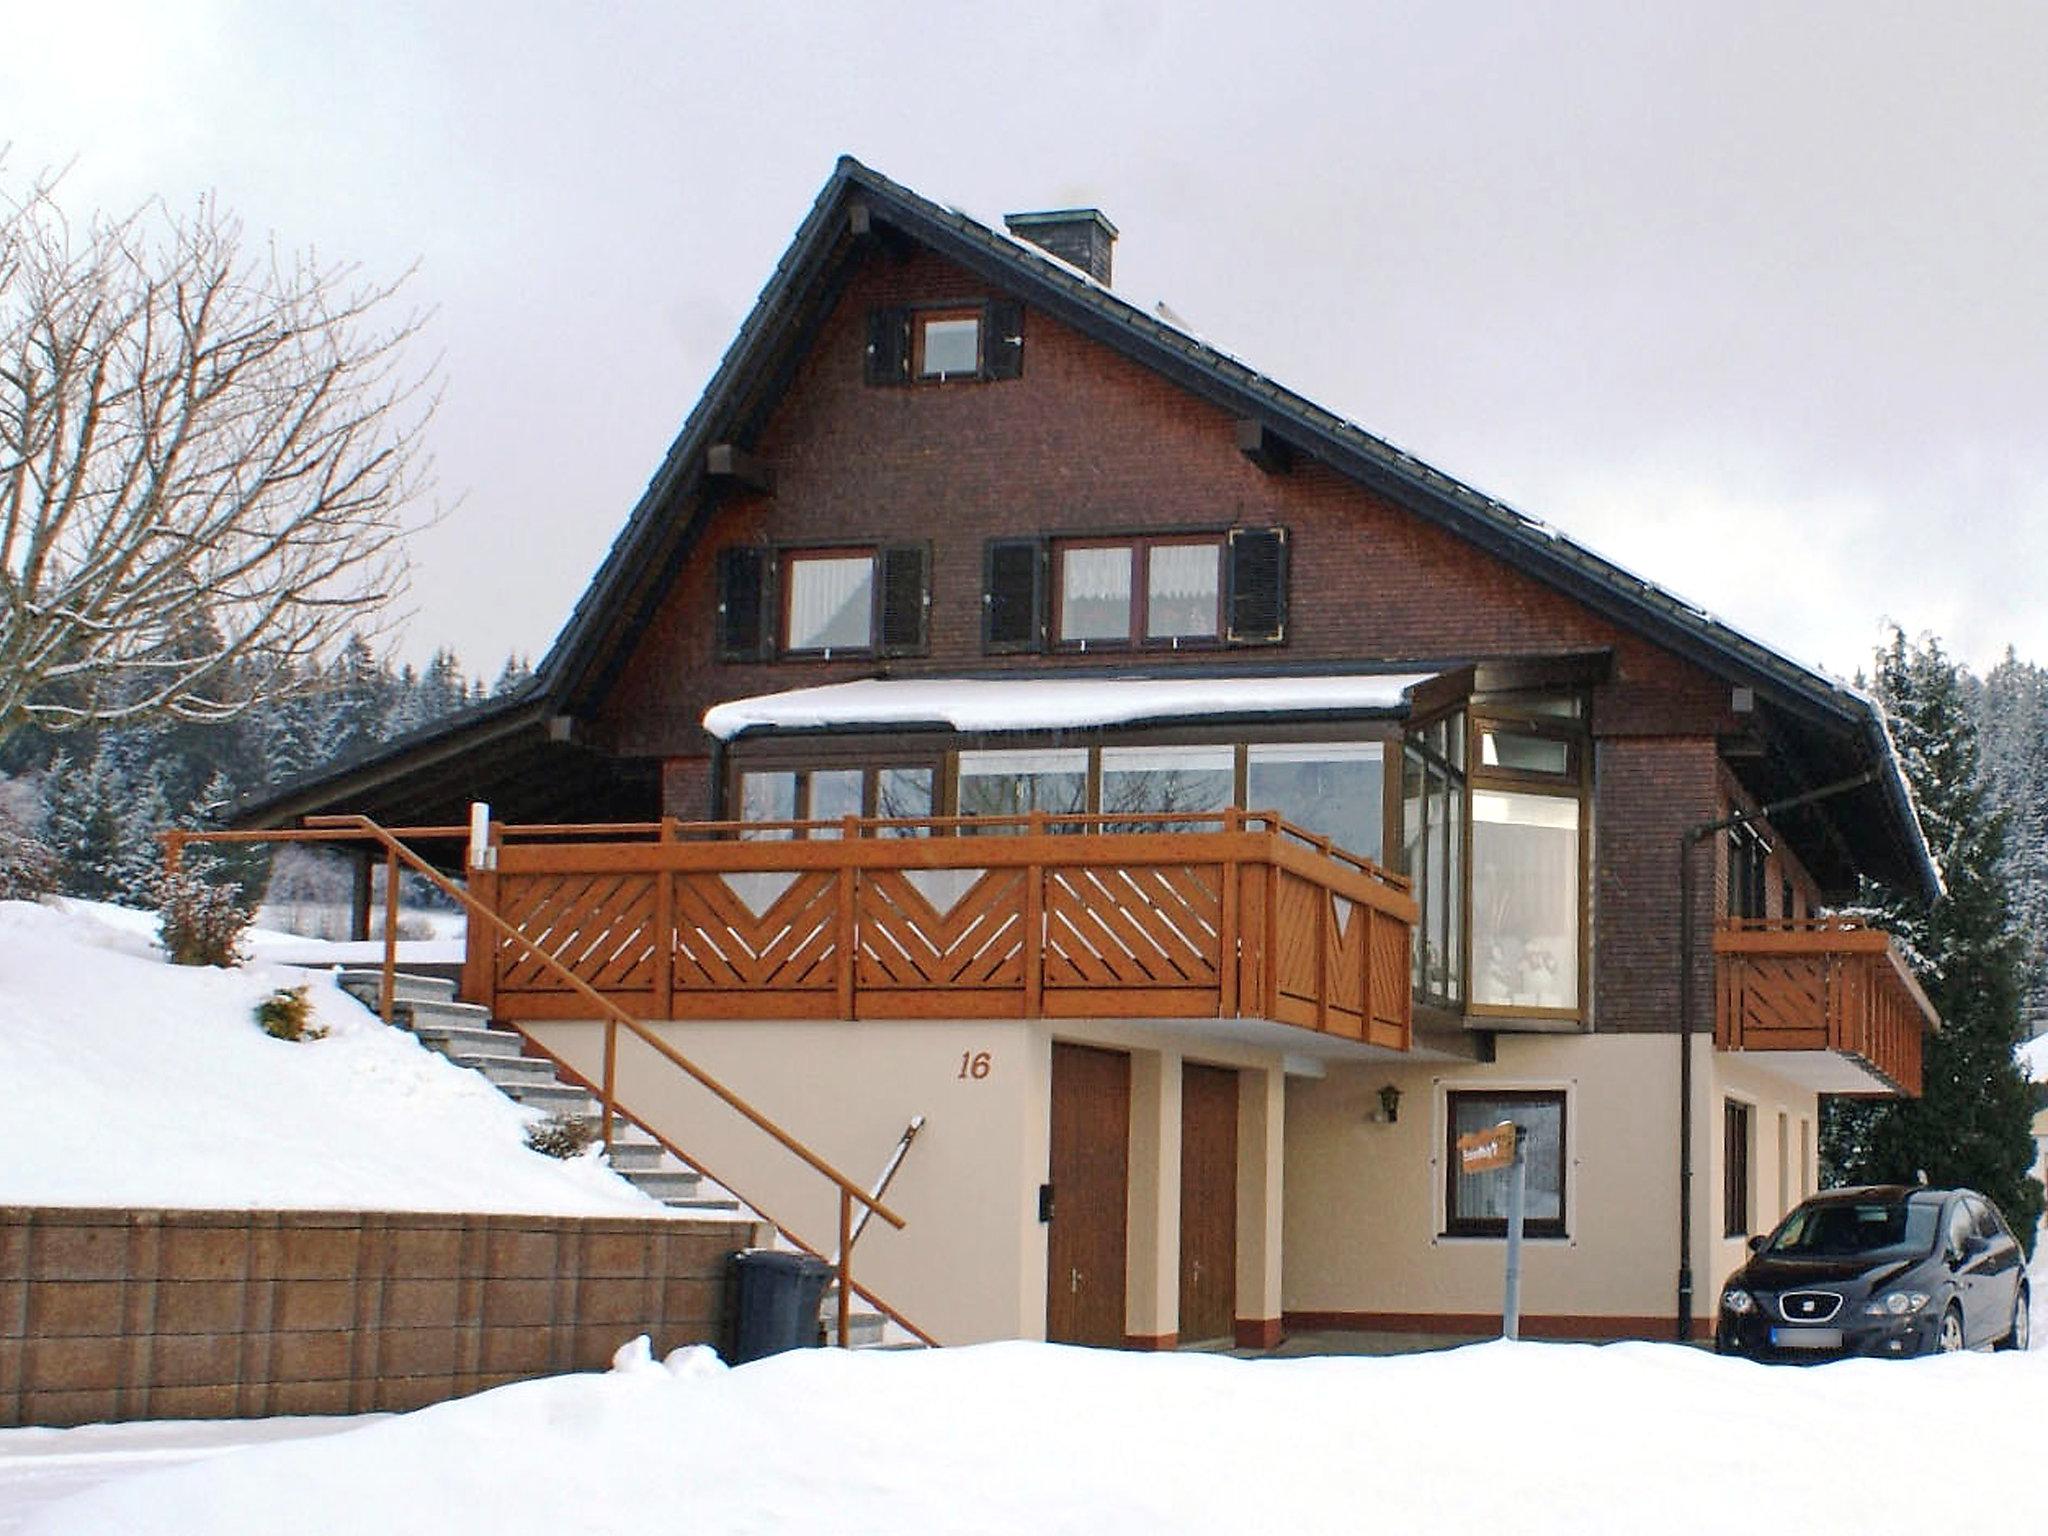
(134, 1082)
(2034, 1059)
(1524, 1438)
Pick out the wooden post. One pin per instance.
(389, 993)
(847, 945)
(1323, 958)
(611, 1080)
(1034, 923)
(359, 896)
(845, 1308)
(1226, 923)
(174, 852)
(664, 940)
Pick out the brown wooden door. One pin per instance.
(1208, 1203)
(1091, 1128)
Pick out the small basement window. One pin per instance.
(947, 344)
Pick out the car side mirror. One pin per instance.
(1756, 1243)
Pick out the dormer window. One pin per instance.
(947, 344)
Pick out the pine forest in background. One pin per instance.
(99, 798)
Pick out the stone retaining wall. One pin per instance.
(110, 1314)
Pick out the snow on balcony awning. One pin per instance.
(1051, 704)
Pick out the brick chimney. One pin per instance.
(1081, 237)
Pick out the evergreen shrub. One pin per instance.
(201, 924)
(560, 1135)
(287, 1014)
(28, 866)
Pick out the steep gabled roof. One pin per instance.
(1836, 731)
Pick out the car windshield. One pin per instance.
(1872, 1229)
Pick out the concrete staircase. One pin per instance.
(464, 1033)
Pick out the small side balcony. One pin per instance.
(1835, 990)
(1225, 915)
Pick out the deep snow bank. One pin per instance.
(1523, 1438)
(136, 1082)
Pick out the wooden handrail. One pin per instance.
(609, 1010)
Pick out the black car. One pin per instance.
(1888, 1270)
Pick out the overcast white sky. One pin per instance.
(1749, 297)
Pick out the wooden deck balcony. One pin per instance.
(1227, 915)
(1821, 984)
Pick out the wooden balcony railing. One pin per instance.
(1224, 914)
(1821, 984)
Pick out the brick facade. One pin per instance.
(1089, 441)
(109, 1314)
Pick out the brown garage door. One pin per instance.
(1208, 1203)
(1091, 1128)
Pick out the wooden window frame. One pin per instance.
(922, 317)
(1457, 1226)
(1136, 637)
(866, 761)
(1576, 784)
(1738, 1174)
(786, 561)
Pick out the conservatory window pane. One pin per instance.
(835, 792)
(1329, 788)
(1095, 593)
(1182, 583)
(1168, 779)
(1411, 850)
(1522, 752)
(904, 793)
(768, 797)
(831, 603)
(1014, 783)
(1525, 900)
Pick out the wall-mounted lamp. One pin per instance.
(1390, 1106)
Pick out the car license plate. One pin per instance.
(1807, 1338)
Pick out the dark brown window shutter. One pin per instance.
(906, 599)
(888, 358)
(1258, 586)
(1013, 595)
(1002, 347)
(745, 630)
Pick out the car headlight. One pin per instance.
(1739, 1302)
(1895, 1304)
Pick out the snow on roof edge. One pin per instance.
(1026, 704)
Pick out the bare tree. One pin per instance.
(206, 455)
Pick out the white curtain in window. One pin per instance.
(1096, 575)
(831, 603)
(1182, 570)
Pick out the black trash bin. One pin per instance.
(776, 1297)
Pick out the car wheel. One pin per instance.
(2018, 1337)
(1948, 1340)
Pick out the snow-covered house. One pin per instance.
(1198, 810)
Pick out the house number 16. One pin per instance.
(974, 1064)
